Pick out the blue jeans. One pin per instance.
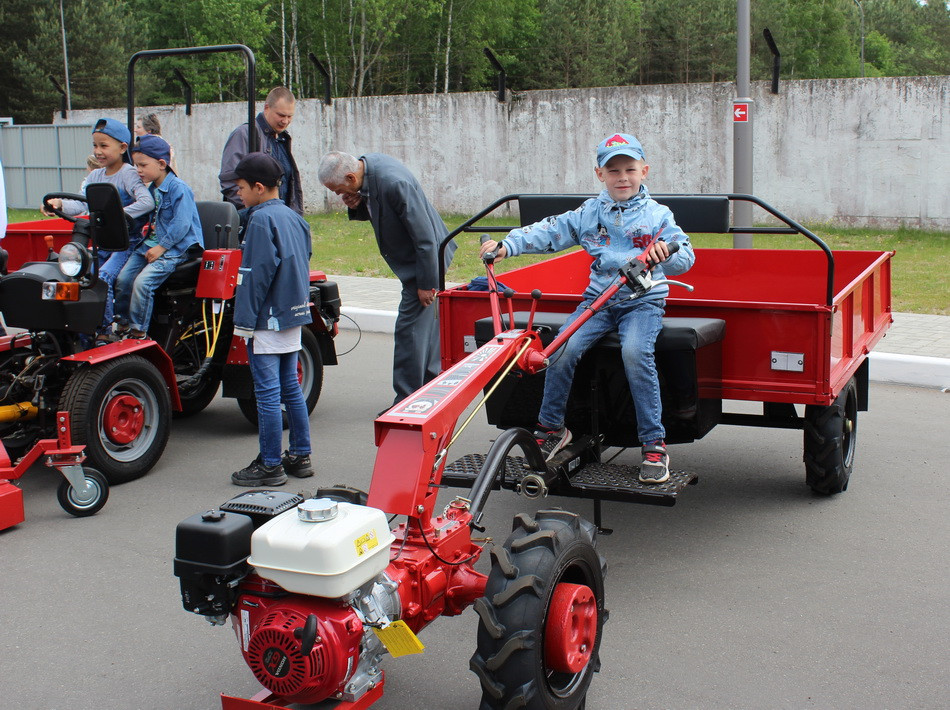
(136, 283)
(110, 264)
(638, 322)
(275, 381)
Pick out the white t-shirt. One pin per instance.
(277, 342)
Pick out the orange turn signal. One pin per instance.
(60, 291)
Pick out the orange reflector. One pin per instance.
(60, 291)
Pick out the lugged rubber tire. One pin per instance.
(553, 547)
(188, 358)
(86, 397)
(830, 441)
(311, 365)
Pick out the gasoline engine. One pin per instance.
(313, 596)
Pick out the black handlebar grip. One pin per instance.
(489, 256)
(484, 238)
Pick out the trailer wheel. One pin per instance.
(830, 440)
(84, 503)
(310, 372)
(542, 615)
(121, 411)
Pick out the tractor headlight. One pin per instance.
(74, 260)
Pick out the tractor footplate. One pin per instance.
(598, 481)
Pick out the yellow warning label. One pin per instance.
(399, 639)
(365, 543)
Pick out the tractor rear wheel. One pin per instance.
(830, 441)
(542, 615)
(188, 355)
(120, 410)
(310, 373)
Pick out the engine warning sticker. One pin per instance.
(366, 543)
(399, 639)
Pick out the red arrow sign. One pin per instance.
(740, 113)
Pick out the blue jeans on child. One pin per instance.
(275, 382)
(136, 283)
(110, 264)
(638, 322)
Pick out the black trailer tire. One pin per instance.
(84, 506)
(310, 365)
(543, 556)
(830, 440)
(121, 411)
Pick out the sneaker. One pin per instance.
(257, 474)
(552, 440)
(655, 467)
(298, 466)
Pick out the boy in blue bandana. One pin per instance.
(614, 227)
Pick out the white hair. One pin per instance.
(335, 166)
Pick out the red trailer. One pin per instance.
(781, 327)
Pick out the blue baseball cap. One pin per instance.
(154, 147)
(113, 129)
(619, 144)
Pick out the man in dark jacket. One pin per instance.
(408, 231)
(270, 308)
(273, 139)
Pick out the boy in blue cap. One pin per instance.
(271, 306)
(173, 230)
(110, 144)
(613, 227)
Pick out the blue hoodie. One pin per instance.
(611, 232)
(274, 279)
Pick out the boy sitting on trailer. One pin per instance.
(271, 306)
(173, 230)
(614, 227)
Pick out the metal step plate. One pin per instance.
(463, 472)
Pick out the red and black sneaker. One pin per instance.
(655, 467)
(551, 440)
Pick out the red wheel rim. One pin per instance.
(571, 628)
(123, 419)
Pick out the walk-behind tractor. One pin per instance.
(319, 589)
(113, 403)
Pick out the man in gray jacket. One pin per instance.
(408, 230)
(271, 125)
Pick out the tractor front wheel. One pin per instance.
(542, 615)
(831, 436)
(120, 410)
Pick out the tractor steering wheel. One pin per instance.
(63, 196)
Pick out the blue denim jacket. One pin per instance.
(611, 232)
(176, 222)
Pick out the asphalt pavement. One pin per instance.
(751, 592)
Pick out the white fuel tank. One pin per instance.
(323, 547)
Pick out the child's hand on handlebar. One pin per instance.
(657, 253)
(491, 245)
(55, 203)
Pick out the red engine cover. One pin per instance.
(270, 633)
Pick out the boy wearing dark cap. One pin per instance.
(272, 304)
(110, 144)
(614, 227)
(173, 230)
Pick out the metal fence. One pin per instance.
(39, 159)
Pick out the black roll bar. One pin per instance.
(189, 93)
(327, 98)
(252, 139)
(792, 227)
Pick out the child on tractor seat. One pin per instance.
(270, 309)
(172, 231)
(613, 227)
(110, 143)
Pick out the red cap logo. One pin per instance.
(615, 139)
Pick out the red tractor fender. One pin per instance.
(148, 349)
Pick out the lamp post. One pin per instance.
(62, 23)
(861, 11)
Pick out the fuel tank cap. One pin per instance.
(317, 510)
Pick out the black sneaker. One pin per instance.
(298, 466)
(257, 474)
(552, 440)
(655, 467)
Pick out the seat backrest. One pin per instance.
(695, 214)
(220, 223)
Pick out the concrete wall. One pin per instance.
(857, 151)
